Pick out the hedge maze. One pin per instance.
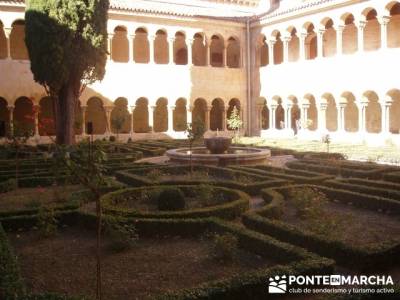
(318, 213)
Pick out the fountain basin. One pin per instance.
(218, 144)
(233, 156)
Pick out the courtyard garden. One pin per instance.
(176, 231)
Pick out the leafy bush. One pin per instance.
(47, 222)
(308, 202)
(171, 198)
(122, 236)
(225, 246)
(155, 175)
(8, 185)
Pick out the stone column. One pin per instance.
(286, 41)
(304, 115)
(11, 118)
(320, 43)
(341, 118)
(171, 110)
(339, 39)
(109, 40)
(131, 48)
(189, 114)
(384, 21)
(171, 51)
(322, 117)
(132, 110)
(224, 118)
(207, 121)
(189, 45)
(36, 109)
(208, 50)
(151, 49)
(225, 56)
(362, 116)
(7, 32)
(259, 119)
(302, 48)
(272, 110)
(271, 44)
(151, 118)
(385, 107)
(360, 28)
(83, 109)
(108, 110)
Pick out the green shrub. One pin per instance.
(122, 236)
(155, 175)
(47, 222)
(171, 198)
(8, 185)
(308, 202)
(225, 246)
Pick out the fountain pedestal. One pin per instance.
(218, 144)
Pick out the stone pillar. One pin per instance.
(83, 109)
(360, 28)
(208, 54)
(109, 40)
(36, 109)
(7, 32)
(259, 119)
(11, 118)
(189, 114)
(108, 110)
(207, 121)
(225, 56)
(304, 115)
(171, 118)
(320, 43)
(384, 21)
(151, 49)
(171, 51)
(302, 48)
(272, 110)
(131, 48)
(132, 110)
(341, 118)
(339, 39)
(189, 45)
(271, 44)
(286, 41)
(224, 127)
(362, 115)
(322, 116)
(151, 118)
(385, 107)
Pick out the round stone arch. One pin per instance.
(4, 118)
(217, 114)
(23, 116)
(120, 117)
(199, 111)
(350, 34)
(3, 42)
(217, 46)
(120, 45)
(233, 103)
(180, 49)
(312, 113)
(294, 44)
(394, 111)
(295, 113)
(141, 46)
(310, 42)
(373, 112)
(161, 47)
(329, 37)
(265, 113)
(331, 112)
(233, 52)
(393, 27)
(161, 115)
(279, 112)
(278, 47)
(263, 51)
(46, 117)
(18, 48)
(180, 115)
(96, 122)
(350, 112)
(141, 116)
(199, 49)
(372, 30)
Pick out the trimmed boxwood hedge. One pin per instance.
(365, 258)
(137, 177)
(237, 204)
(392, 177)
(249, 285)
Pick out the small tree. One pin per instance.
(235, 123)
(118, 120)
(326, 139)
(194, 132)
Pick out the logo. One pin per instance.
(277, 285)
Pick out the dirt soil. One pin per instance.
(66, 264)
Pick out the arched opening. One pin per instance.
(3, 42)
(180, 49)
(46, 117)
(294, 45)
(263, 52)
(329, 39)
(141, 46)
(264, 115)
(199, 50)
(295, 115)
(310, 42)
(199, 111)
(394, 112)
(217, 51)
(312, 114)
(161, 48)
(373, 113)
(350, 35)
(279, 114)
(120, 45)
(161, 115)
(120, 117)
(393, 29)
(233, 53)
(233, 103)
(141, 116)
(278, 48)
(350, 113)
(372, 31)
(216, 114)
(17, 41)
(4, 118)
(180, 115)
(95, 117)
(331, 113)
(24, 117)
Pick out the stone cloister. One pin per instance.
(304, 68)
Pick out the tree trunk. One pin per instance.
(65, 112)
